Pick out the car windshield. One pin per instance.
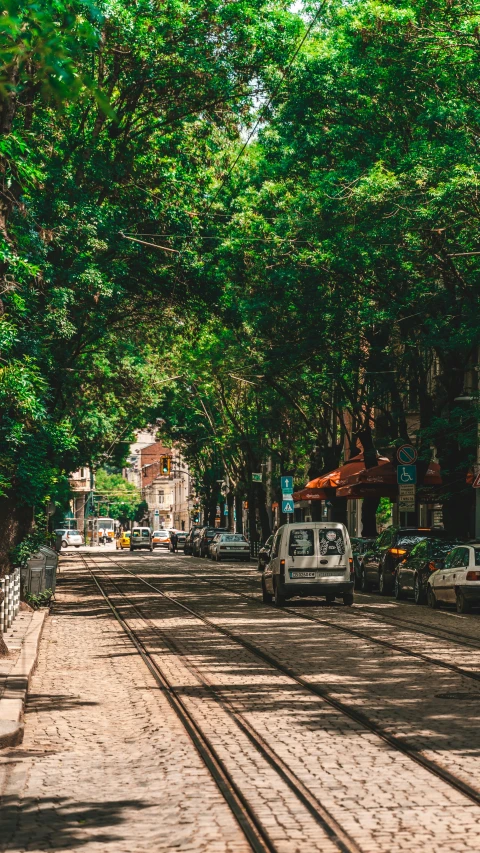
(73, 533)
(233, 537)
(331, 541)
(408, 540)
(439, 548)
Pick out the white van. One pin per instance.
(141, 538)
(310, 558)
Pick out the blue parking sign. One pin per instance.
(406, 474)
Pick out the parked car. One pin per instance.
(458, 582)
(160, 538)
(201, 543)
(141, 538)
(70, 538)
(380, 562)
(192, 534)
(264, 554)
(413, 572)
(123, 540)
(310, 558)
(181, 537)
(230, 546)
(359, 547)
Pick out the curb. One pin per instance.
(12, 703)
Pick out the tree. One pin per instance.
(117, 498)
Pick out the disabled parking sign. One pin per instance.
(406, 475)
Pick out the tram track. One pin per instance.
(256, 834)
(354, 632)
(399, 744)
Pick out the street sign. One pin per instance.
(406, 498)
(287, 507)
(406, 474)
(476, 482)
(407, 455)
(257, 478)
(287, 496)
(286, 484)
(225, 509)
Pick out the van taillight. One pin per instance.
(350, 562)
(282, 569)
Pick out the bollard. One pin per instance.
(9, 600)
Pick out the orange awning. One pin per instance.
(336, 477)
(385, 474)
(307, 494)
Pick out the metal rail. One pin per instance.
(359, 717)
(320, 814)
(475, 676)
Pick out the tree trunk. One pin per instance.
(15, 523)
(262, 511)
(369, 517)
(239, 513)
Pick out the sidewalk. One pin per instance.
(22, 640)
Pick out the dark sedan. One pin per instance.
(202, 542)
(380, 562)
(412, 573)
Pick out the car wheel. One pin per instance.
(64, 544)
(330, 599)
(463, 606)
(365, 584)
(418, 591)
(348, 599)
(266, 596)
(397, 589)
(383, 585)
(432, 599)
(277, 595)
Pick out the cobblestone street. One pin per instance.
(342, 729)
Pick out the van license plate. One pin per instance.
(302, 574)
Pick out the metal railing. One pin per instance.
(10, 605)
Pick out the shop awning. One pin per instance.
(381, 481)
(341, 476)
(307, 494)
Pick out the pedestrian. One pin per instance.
(173, 541)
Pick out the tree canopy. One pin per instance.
(266, 306)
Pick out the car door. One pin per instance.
(441, 578)
(452, 572)
(414, 563)
(273, 566)
(301, 555)
(371, 559)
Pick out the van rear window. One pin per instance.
(301, 543)
(331, 541)
(145, 533)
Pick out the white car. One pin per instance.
(459, 581)
(229, 545)
(71, 537)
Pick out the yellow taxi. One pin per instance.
(160, 538)
(124, 540)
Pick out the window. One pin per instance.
(161, 496)
(451, 558)
(301, 543)
(145, 533)
(420, 550)
(331, 541)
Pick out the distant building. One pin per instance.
(81, 484)
(163, 478)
